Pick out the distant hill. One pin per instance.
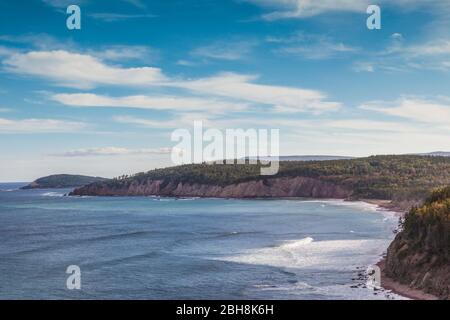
(62, 181)
(404, 179)
(436, 154)
(306, 158)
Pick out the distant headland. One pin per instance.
(62, 181)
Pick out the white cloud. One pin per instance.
(39, 126)
(121, 53)
(80, 70)
(85, 71)
(185, 120)
(364, 67)
(311, 46)
(62, 3)
(237, 86)
(113, 17)
(417, 109)
(148, 102)
(46, 42)
(112, 151)
(400, 57)
(5, 52)
(308, 8)
(288, 9)
(433, 48)
(225, 50)
(186, 63)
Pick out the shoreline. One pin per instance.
(404, 290)
(388, 283)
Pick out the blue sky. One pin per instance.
(105, 99)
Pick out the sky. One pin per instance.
(105, 99)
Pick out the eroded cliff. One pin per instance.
(276, 187)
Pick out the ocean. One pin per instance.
(166, 248)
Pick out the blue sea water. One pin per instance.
(151, 248)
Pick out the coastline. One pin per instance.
(388, 283)
(404, 290)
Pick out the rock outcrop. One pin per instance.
(418, 268)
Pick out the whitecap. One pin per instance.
(52, 194)
(336, 255)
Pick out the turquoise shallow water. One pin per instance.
(150, 248)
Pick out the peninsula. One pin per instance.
(62, 181)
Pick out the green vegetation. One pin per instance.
(378, 177)
(428, 227)
(420, 254)
(63, 181)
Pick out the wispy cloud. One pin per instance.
(181, 120)
(112, 151)
(113, 17)
(399, 56)
(289, 9)
(46, 42)
(285, 9)
(225, 50)
(63, 3)
(5, 51)
(122, 53)
(79, 70)
(148, 102)
(283, 99)
(310, 46)
(186, 63)
(39, 41)
(84, 71)
(39, 126)
(418, 109)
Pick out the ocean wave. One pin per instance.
(389, 216)
(307, 253)
(53, 194)
(293, 244)
(353, 204)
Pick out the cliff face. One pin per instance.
(420, 254)
(276, 187)
(419, 269)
